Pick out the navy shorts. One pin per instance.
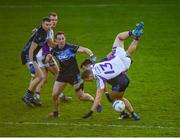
(119, 83)
(72, 79)
(25, 58)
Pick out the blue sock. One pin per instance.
(130, 33)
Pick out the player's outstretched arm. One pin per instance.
(131, 49)
(95, 104)
(88, 52)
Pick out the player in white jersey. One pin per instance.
(112, 70)
(50, 66)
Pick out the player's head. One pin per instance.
(87, 75)
(60, 38)
(54, 18)
(46, 24)
(86, 64)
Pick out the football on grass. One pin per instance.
(118, 106)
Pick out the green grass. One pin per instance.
(154, 88)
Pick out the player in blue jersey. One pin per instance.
(113, 71)
(50, 66)
(69, 74)
(28, 57)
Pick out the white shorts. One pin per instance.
(121, 53)
(40, 63)
(118, 49)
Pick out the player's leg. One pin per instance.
(120, 38)
(38, 77)
(119, 86)
(83, 96)
(28, 97)
(78, 85)
(129, 107)
(55, 70)
(137, 32)
(44, 70)
(57, 89)
(120, 95)
(43, 81)
(131, 49)
(41, 84)
(80, 92)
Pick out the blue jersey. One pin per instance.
(67, 58)
(39, 37)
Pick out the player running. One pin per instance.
(113, 69)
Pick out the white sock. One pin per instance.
(61, 95)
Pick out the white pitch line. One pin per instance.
(89, 5)
(89, 125)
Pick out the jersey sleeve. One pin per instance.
(37, 38)
(73, 48)
(100, 83)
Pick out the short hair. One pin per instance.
(52, 14)
(59, 33)
(85, 74)
(46, 19)
(86, 62)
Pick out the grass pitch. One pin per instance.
(154, 89)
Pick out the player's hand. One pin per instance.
(32, 68)
(88, 114)
(93, 58)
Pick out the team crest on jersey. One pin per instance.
(65, 55)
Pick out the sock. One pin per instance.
(108, 97)
(123, 112)
(55, 113)
(132, 113)
(29, 94)
(61, 95)
(136, 38)
(38, 95)
(130, 33)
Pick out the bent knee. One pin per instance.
(44, 79)
(80, 95)
(119, 37)
(55, 95)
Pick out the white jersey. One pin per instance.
(40, 55)
(50, 34)
(117, 63)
